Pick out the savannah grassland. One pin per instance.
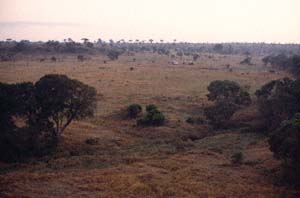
(175, 160)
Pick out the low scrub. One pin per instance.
(134, 110)
(153, 117)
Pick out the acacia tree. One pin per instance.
(85, 40)
(60, 100)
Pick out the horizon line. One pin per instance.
(43, 23)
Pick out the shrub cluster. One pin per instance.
(134, 110)
(228, 97)
(153, 117)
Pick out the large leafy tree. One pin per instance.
(61, 100)
(46, 108)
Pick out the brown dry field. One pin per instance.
(175, 160)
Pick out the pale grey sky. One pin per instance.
(185, 20)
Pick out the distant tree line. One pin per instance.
(9, 48)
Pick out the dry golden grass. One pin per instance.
(176, 160)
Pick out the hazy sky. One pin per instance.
(185, 20)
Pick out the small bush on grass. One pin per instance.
(153, 118)
(133, 110)
(195, 120)
(92, 141)
(151, 108)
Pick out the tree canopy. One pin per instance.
(47, 107)
(228, 96)
(279, 100)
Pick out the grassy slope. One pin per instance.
(177, 160)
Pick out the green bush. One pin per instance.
(133, 110)
(157, 119)
(151, 108)
(153, 118)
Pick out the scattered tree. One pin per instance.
(228, 97)
(113, 54)
(61, 100)
(246, 61)
(46, 108)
